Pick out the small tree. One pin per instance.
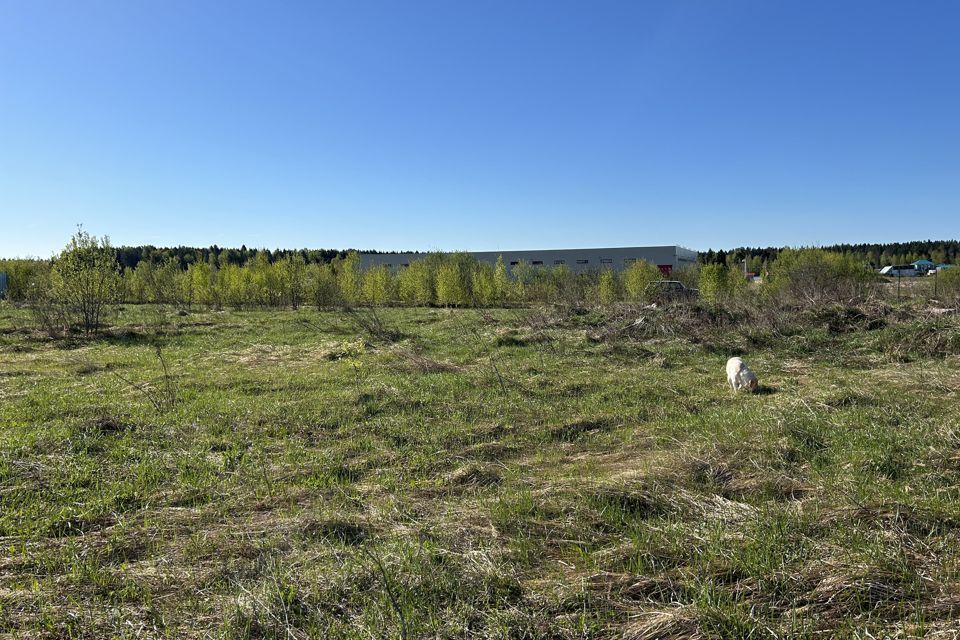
(815, 276)
(483, 285)
(323, 287)
(688, 274)
(291, 276)
(502, 284)
(563, 284)
(948, 284)
(523, 275)
(638, 278)
(377, 285)
(200, 275)
(415, 283)
(542, 285)
(349, 278)
(85, 281)
(167, 283)
(719, 285)
(608, 290)
(25, 277)
(451, 286)
(142, 285)
(265, 287)
(236, 286)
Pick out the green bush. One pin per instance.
(719, 285)
(25, 278)
(84, 282)
(377, 286)
(452, 288)
(608, 287)
(948, 284)
(637, 280)
(815, 276)
(349, 278)
(415, 283)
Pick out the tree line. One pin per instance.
(876, 255)
(78, 287)
(758, 259)
(131, 257)
(456, 279)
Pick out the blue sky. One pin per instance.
(478, 125)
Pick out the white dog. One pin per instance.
(739, 375)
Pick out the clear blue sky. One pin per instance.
(478, 125)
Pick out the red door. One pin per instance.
(665, 269)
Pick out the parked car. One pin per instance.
(671, 290)
(903, 270)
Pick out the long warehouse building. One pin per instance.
(667, 258)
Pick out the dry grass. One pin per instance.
(606, 485)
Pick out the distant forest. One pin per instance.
(130, 257)
(876, 255)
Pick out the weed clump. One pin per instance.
(907, 342)
(573, 431)
(342, 531)
(109, 425)
(472, 476)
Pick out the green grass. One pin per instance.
(499, 474)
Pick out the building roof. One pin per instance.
(922, 262)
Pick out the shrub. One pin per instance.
(543, 283)
(235, 285)
(349, 278)
(814, 276)
(453, 277)
(948, 284)
(484, 286)
(25, 278)
(638, 278)
(608, 289)
(377, 286)
(168, 283)
(415, 283)
(689, 275)
(292, 279)
(502, 285)
(719, 285)
(323, 286)
(200, 276)
(84, 281)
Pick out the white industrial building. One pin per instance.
(667, 258)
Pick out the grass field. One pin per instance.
(515, 473)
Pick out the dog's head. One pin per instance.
(752, 384)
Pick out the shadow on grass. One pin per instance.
(132, 337)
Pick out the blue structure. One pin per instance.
(3, 285)
(923, 265)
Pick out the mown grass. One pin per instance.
(457, 473)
